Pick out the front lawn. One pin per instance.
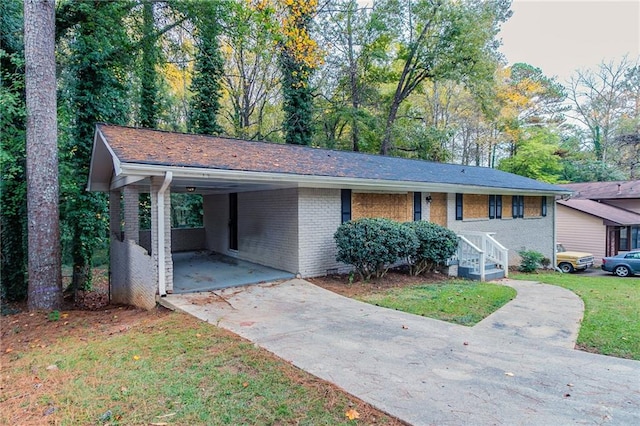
(460, 302)
(120, 366)
(611, 324)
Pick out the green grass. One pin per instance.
(611, 324)
(460, 302)
(175, 370)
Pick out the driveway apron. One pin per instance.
(515, 367)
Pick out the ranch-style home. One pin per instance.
(279, 205)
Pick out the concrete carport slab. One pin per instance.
(517, 367)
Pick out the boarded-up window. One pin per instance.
(475, 206)
(532, 207)
(438, 208)
(391, 206)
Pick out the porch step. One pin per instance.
(491, 272)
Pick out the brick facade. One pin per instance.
(530, 233)
(319, 212)
(267, 227)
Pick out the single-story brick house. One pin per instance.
(602, 218)
(279, 205)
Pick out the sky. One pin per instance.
(562, 36)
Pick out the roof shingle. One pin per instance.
(161, 148)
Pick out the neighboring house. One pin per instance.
(279, 205)
(602, 218)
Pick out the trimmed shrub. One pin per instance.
(373, 245)
(437, 245)
(531, 260)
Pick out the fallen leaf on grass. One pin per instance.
(8, 350)
(352, 414)
(136, 357)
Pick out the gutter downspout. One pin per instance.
(162, 279)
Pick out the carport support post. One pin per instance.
(131, 214)
(161, 231)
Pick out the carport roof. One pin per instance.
(123, 155)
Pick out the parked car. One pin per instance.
(570, 261)
(623, 264)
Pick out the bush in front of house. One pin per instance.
(530, 260)
(373, 245)
(437, 245)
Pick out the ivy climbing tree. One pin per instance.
(96, 81)
(299, 56)
(208, 70)
(13, 190)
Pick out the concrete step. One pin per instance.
(491, 272)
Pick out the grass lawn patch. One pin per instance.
(611, 324)
(460, 302)
(125, 366)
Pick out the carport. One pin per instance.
(205, 270)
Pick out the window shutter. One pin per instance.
(345, 200)
(492, 206)
(458, 206)
(543, 207)
(417, 206)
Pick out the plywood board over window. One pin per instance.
(438, 208)
(476, 206)
(391, 206)
(532, 206)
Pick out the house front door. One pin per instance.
(613, 239)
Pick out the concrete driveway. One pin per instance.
(517, 367)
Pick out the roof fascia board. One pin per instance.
(309, 181)
(100, 139)
(124, 180)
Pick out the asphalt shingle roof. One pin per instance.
(153, 147)
(605, 190)
(603, 210)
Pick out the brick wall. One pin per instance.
(268, 228)
(182, 239)
(216, 222)
(133, 275)
(515, 234)
(319, 211)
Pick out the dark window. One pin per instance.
(458, 206)
(517, 206)
(624, 238)
(345, 198)
(417, 206)
(543, 207)
(495, 206)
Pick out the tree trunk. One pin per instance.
(391, 119)
(44, 290)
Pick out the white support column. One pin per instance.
(161, 231)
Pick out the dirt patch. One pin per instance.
(344, 285)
